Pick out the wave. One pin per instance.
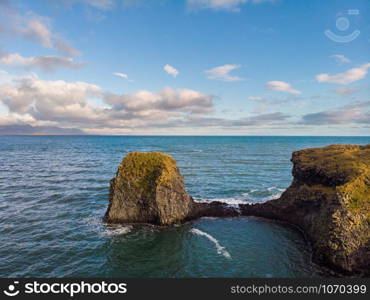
(220, 250)
(230, 201)
(117, 230)
(275, 188)
(251, 197)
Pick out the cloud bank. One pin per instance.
(46, 63)
(354, 113)
(37, 102)
(72, 103)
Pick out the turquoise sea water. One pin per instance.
(54, 192)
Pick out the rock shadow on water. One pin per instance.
(146, 251)
(254, 248)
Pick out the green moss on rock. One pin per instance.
(148, 188)
(345, 168)
(332, 165)
(330, 199)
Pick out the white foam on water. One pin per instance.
(272, 197)
(220, 250)
(245, 198)
(230, 201)
(275, 188)
(117, 230)
(93, 221)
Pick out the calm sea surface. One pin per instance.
(54, 192)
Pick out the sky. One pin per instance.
(187, 67)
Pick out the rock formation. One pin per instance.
(148, 188)
(329, 199)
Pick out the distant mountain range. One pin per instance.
(25, 129)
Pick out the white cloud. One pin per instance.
(69, 104)
(49, 100)
(338, 117)
(46, 63)
(282, 86)
(248, 121)
(143, 102)
(256, 99)
(346, 91)
(5, 77)
(353, 113)
(170, 70)
(341, 59)
(346, 77)
(34, 28)
(122, 75)
(223, 73)
(229, 5)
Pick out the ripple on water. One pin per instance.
(54, 192)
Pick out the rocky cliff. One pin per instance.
(148, 188)
(329, 199)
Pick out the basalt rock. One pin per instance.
(215, 209)
(148, 188)
(329, 199)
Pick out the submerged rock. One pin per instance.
(329, 199)
(148, 188)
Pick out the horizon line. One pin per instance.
(172, 135)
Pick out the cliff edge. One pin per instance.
(329, 199)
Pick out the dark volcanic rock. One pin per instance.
(330, 200)
(213, 209)
(148, 188)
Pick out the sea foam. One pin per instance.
(253, 196)
(117, 230)
(220, 250)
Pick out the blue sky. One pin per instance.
(238, 67)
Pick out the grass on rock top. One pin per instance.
(148, 169)
(337, 163)
(346, 165)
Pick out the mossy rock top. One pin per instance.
(332, 165)
(148, 168)
(148, 188)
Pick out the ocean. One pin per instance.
(54, 192)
